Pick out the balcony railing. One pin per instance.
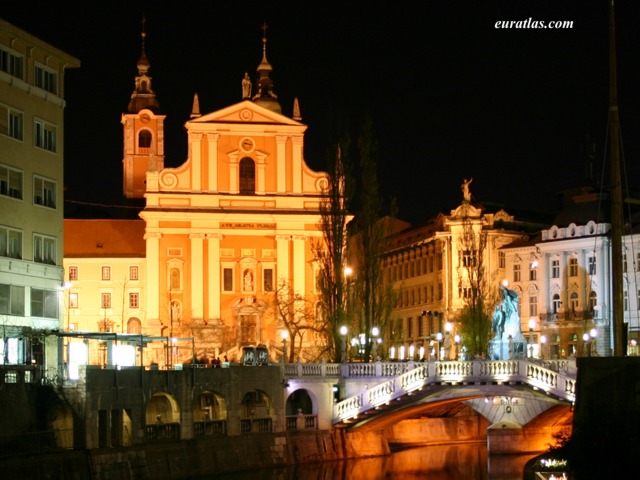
(567, 316)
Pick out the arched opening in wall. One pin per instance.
(144, 139)
(256, 410)
(299, 402)
(210, 414)
(248, 333)
(247, 176)
(134, 325)
(162, 417)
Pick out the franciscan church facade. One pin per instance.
(218, 236)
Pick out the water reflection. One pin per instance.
(447, 462)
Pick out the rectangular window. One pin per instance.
(11, 122)
(106, 273)
(10, 242)
(533, 271)
(45, 135)
(555, 269)
(409, 329)
(133, 272)
(105, 300)
(439, 261)
(44, 192)
(573, 267)
(73, 273)
(44, 249)
(516, 273)
(73, 300)
(10, 182)
(227, 274)
(12, 63)
(502, 260)
(46, 79)
(44, 303)
(134, 300)
(11, 300)
(533, 305)
(624, 263)
(592, 265)
(268, 279)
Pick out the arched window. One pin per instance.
(134, 325)
(593, 301)
(247, 176)
(556, 303)
(144, 139)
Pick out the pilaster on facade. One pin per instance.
(212, 161)
(281, 156)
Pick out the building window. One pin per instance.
(46, 79)
(134, 325)
(593, 301)
(516, 273)
(44, 192)
(624, 262)
(45, 136)
(575, 301)
(106, 273)
(10, 182)
(44, 249)
(247, 176)
(468, 259)
(268, 279)
(555, 269)
(592, 265)
(533, 269)
(73, 273)
(11, 300)
(533, 305)
(73, 300)
(409, 327)
(227, 274)
(556, 303)
(105, 300)
(12, 63)
(133, 272)
(11, 122)
(44, 303)
(573, 267)
(502, 260)
(625, 300)
(10, 242)
(134, 300)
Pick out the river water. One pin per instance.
(449, 462)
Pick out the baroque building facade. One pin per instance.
(32, 104)
(225, 234)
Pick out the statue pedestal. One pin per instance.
(508, 348)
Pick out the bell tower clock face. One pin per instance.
(247, 144)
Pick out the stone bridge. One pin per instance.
(506, 392)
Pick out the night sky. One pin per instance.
(451, 96)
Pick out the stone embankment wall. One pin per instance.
(191, 459)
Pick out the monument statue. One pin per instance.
(508, 341)
(246, 86)
(466, 194)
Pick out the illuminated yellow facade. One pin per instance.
(227, 228)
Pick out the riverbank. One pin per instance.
(191, 459)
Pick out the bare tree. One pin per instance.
(478, 292)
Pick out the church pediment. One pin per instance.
(245, 112)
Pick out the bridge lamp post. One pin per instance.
(585, 348)
(457, 339)
(375, 331)
(438, 340)
(543, 341)
(343, 352)
(447, 342)
(532, 325)
(593, 349)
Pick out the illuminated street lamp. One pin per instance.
(343, 333)
(448, 326)
(438, 340)
(532, 325)
(457, 339)
(375, 331)
(284, 334)
(543, 340)
(593, 349)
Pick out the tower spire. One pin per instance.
(143, 95)
(265, 96)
